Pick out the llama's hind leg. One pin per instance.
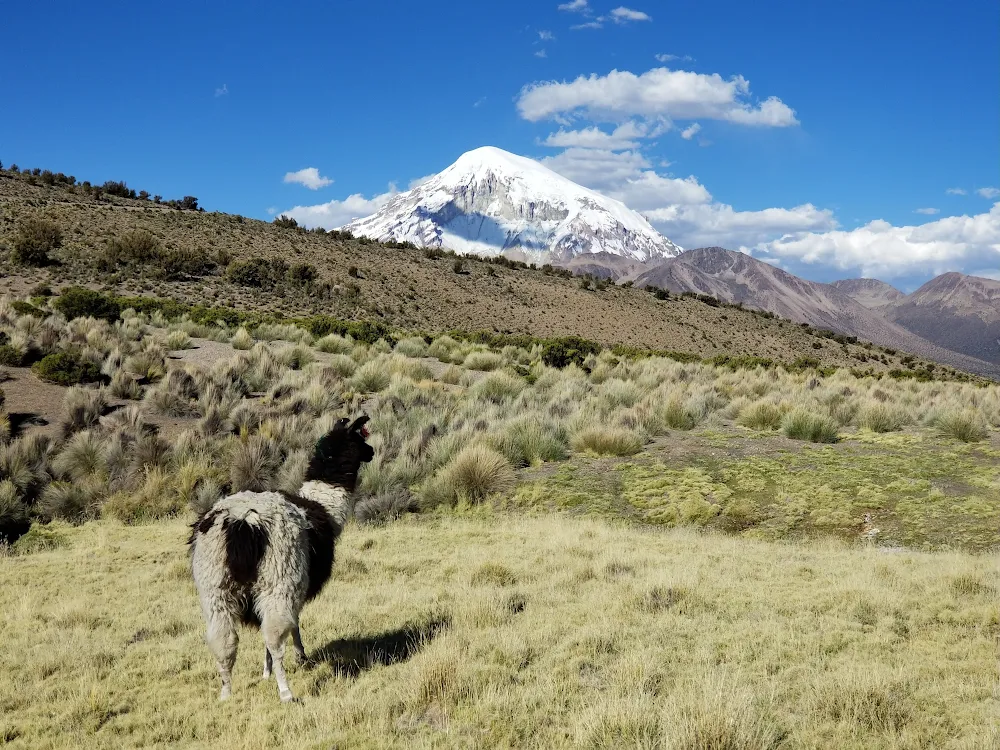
(222, 641)
(275, 629)
(267, 664)
(300, 651)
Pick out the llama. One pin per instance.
(257, 557)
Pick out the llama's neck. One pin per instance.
(337, 501)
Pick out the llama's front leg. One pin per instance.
(275, 631)
(300, 651)
(267, 664)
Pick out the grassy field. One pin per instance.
(615, 553)
(490, 630)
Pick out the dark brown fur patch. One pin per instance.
(321, 535)
(246, 544)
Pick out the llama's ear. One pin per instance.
(359, 425)
(341, 424)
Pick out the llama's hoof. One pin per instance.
(286, 696)
(265, 677)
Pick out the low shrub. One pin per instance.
(66, 368)
(36, 238)
(474, 474)
(78, 302)
(966, 425)
(761, 415)
(607, 441)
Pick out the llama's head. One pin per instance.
(338, 455)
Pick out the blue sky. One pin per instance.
(882, 108)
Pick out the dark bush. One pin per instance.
(78, 302)
(136, 246)
(260, 273)
(11, 356)
(567, 350)
(179, 264)
(36, 238)
(23, 308)
(286, 222)
(301, 274)
(66, 368)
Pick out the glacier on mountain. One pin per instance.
(492, 202)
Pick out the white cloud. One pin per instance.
(880, 249)
(309, 177)
(337, 213)
(479, 102)
(624, 15)
(623, 137)
(222, 91)
(546, 36)
(719, 224)
(595, 24)
(661, 92)
(541, 53)
(626, 176)
(690, 132)
(599, 169)
(956, 191)
(418, 181)
(671, 58)
(927, 211)
(989, 192)
(987, 273)
(576, 6)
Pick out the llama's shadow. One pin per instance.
(352, 656)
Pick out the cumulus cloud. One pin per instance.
(599, 169)
(625, 15)
(541, 53)
(309, 177)
(659, 92)
(880, 249)
(546, 36)
(955, 191)
(927, 211)
(989, 192)
(623, 137)
(719, 224)
(336, 213)
(576, 6)
(690, 132)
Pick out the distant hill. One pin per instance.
(871, 293)
(738, 277)
(955, 311)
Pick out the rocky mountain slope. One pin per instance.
(871, 293)
(737, 277)
(491, 202)
(958, 312)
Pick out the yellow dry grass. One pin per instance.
(556, 633)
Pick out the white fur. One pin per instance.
(282, 576)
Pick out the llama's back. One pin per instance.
(248, 555)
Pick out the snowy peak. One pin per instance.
(492, 202)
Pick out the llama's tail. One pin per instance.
(246, 543)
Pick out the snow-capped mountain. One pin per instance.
(492, 202)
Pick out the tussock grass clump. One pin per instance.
(370, 378)
(177, 340)
(679, 416)
(801, 424)
(607, 441)
(880, 417)
(414, 346)
(334, 344)
(75, 502)
(761, 415)
(867, 702)
(527, 441)
(966, 425)
(254, 464)
(82, 408)
(296, 357)
(483, 361)
(242, 340)
(498, 387)
(156, 498)
(476, 473)
(493, 574)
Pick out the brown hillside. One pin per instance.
(400, 286)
